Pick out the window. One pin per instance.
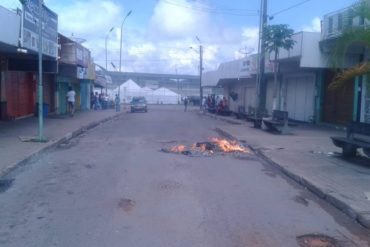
(340, 22)
(330, 29)
(362, 20)
(349, 19)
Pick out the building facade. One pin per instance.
(352, 102)
(75, 68)
(304, 75)
(19, 63)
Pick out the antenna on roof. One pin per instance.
(246, 51)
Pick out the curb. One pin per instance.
(363, 218)
(231, 121)
(55, 143)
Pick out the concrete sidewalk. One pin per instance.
(309, 157)
(57, 129)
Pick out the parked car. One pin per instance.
(139, 104)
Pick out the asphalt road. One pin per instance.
(113, 186)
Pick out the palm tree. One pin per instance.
(352, 35)
(277, 37)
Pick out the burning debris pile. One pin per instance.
(214, 146)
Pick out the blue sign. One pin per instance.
(31, 25)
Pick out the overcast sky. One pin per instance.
(158, 33)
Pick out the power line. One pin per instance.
(291, 7)
(204, 8)
(145, 60)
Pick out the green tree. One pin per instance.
(277, 37)
(351, 35)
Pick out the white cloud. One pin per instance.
(162, 46)
(314, 27)
(88, 17)
(177, 21)
(142, 50)
(250, 38)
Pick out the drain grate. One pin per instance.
(5, 184)
(317, 240)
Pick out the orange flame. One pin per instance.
(203, 148)
(178, 149)
(222, 145)
(228, 146)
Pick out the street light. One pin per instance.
(106, 56)
(200, 71)
(106, 49)
(120, 48)
(120, 51)
(200, 74)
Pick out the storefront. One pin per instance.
(299, 94)
(20, 90)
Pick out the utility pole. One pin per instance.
(40, 92)
(120, 53)
(200, 74)
(178, 85)
(261, 83)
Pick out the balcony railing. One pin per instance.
(336, 22)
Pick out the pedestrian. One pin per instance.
(186, 101)
(96, 101)
(92, 100)
(213, 101)
(71, 95)
(203, 106)
(117, 102)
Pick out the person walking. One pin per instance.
(117, 102)
(92, 101)
(203, 104)
(71, 95)
(97, 105)
(186, 101)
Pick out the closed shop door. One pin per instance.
(367, 101)
(300, 98)
(62, 91)
(338, 103)
(250, 95)
(20, 90)
(12, 86)
(85, 96)
(234, 104)
(48, 91)
(269, 95)
(77, 89)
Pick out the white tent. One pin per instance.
(164, 96)
(130, 89)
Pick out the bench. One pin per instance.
(251, 114)
(358, 136)
(241, 114)
(279, 122)
(256, 117)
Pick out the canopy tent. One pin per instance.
(131, 89)
(163, 96)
